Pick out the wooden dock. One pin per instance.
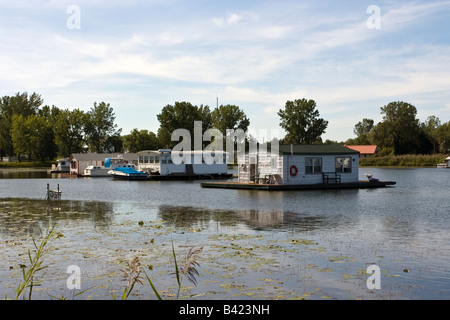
(286, 187)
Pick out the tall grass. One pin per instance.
(189, 269)
(407, 160)
(36, 262)
(132, 274)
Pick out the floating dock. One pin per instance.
(292, 187)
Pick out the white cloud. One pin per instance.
(231, 19)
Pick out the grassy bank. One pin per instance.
(25, 164)
(407, 160)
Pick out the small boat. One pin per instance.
(97, 171)
(371, 179)
(445, 164)
(127, 173)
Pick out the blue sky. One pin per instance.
(140, 56)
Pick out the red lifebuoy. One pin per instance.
(294, 171)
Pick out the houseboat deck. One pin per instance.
(180, 176)
(287, 187)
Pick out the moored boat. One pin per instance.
(109, 164)
(127, 173)
(445, 164)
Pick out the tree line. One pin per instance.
(40, 132)
(30, 129)
(399, 132)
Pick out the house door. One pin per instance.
(253, 167)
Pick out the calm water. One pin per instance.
(256, 245)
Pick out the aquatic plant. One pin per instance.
(189, 269)
(36, 261)
(132, 276)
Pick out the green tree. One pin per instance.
(400, 126)
(69, 130)
(20, 135)
(41, 137)
(362, 130)
(443, 137)
(181, 115)
(100, 126)
(229, 117)
(139, 140)
(300, 119)
(430, 130)
(20, 104)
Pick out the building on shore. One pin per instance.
(364, 151)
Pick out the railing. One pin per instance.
(332, 177)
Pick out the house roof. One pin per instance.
(316, 149)
(103, 156)
(364, 149)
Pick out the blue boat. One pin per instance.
(127, 173)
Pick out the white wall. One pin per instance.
(282, 171)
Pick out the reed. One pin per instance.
(132, 276)
(407, 160)
(36, 262)
(188, 269)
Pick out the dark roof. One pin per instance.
(316, 149)
(102, 156)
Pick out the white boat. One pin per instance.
(445, 164)
(97, 171)
(127, 173)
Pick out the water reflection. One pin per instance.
(256, 219)
(23, 173)
(19, 217)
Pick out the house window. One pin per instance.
(313, 165)
(344, 165)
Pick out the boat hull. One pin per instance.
(297, 187)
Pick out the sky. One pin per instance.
(351, 57)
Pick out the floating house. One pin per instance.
(365, 151)
(301, 164)
(81, 161)
(300, 167)
(195, 163)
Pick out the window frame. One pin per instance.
(314, 168)
(343, 168)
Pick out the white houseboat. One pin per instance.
(81, 161)
(301, 165)
(163, 163)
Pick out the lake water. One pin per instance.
(256, 244)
